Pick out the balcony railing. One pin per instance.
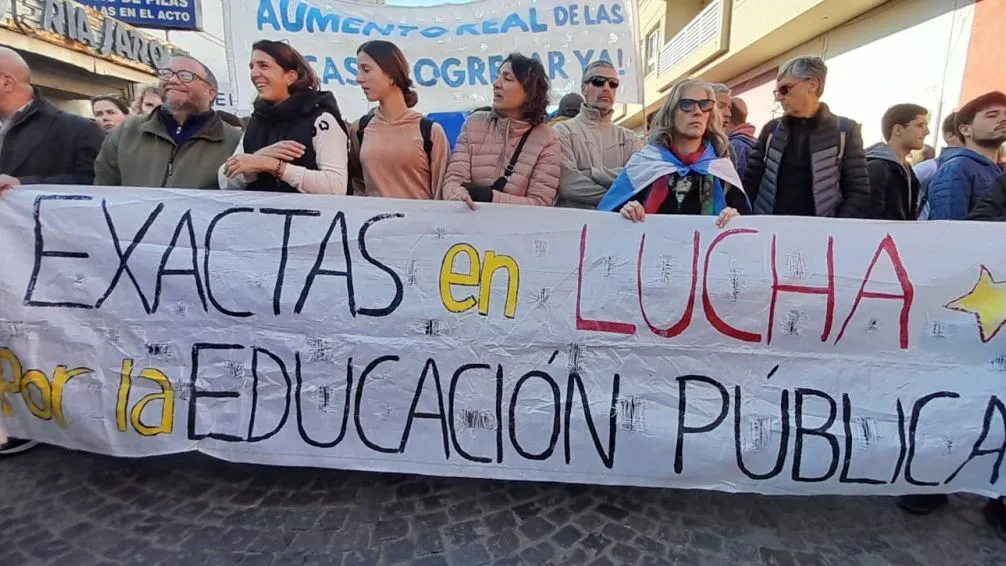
(703, 28)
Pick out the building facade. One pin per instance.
(76, 53)
(879, 52)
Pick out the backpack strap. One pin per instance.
(364, 120)
(426, 129)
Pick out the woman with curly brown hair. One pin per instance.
(296, 140)
(508, 155)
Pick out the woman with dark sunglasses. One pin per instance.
(296, 140)
(685, 169)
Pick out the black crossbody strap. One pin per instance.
(511, 167)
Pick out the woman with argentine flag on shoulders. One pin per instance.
(685, 168)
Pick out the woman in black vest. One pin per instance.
(296, 140)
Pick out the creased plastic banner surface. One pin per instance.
(454, 50)
(781, 356)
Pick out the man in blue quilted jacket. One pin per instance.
(965, 175)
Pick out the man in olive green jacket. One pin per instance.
(181, 144)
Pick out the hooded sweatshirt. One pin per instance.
(394, 161)
(742, 141)
(962, 179)
(894, 188)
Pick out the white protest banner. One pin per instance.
(780, 356)
(454, 49)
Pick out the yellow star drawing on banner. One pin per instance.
(987, 301)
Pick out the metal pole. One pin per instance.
(641, 57)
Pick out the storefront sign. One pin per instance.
(103, 36)
(779, 356)
(155, 14)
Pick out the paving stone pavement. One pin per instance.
(59, 507)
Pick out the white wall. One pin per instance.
(905, 51)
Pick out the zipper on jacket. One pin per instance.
(171, 167)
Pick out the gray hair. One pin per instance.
(806, 68)
(600, 63)
(720, 88)
(662, 126)
(210, 77)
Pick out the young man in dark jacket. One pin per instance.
(742, 135)
(810, 162)
(39, 143)
(966, 174)
(893, 185)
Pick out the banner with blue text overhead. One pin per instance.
(153, 14)
(780, 356)
(454, 50)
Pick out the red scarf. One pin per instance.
(660, 189)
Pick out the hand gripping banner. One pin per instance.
(779, 355)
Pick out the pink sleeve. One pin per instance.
(543, 186)
(459, 170)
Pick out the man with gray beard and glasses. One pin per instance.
(180, 145)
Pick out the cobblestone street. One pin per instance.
(70, 508)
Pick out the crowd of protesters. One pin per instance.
(702, 157)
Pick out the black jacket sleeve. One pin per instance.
(736, 198)
(880, 181)
(855, 183)
(87, 138)
(756, 162)
(992, 208)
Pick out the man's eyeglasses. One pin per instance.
(183, 76)
(784, 90)
(689, 104)
(599, 82)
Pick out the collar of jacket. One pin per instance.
(515, 127)
(823, 117)
(212, 131)
(591, 114)
(38, 105)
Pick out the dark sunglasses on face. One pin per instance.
(784, 90)
(183, 76)
(599, 82)
(689, 104)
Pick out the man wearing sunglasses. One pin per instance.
(594, 149)
(180, 145)
(810, 162)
